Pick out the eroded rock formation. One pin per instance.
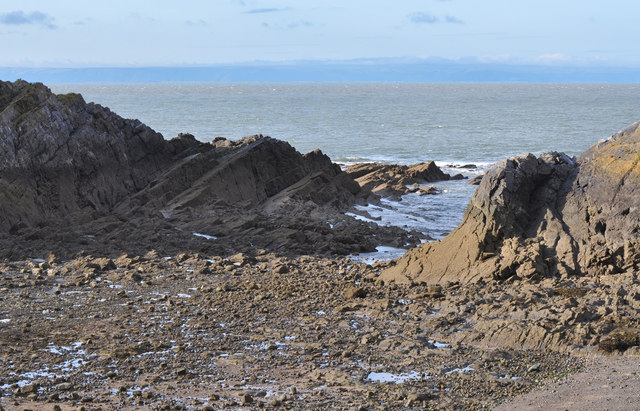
(392, 180)
(69, 170)
(533, 217)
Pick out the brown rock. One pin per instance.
(533, 217)
(392, 180)
(246, 399)
(355, 292)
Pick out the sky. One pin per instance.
(143, 33)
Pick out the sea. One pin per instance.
(454, 124)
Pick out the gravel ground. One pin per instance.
(192, 332)
(606, 383)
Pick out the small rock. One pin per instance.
(133, 276)
(416, 397)
(65, 386)
(434, 291)
(355, 292)
(28, 389)
(534, 367)
(246, 398)
(281, 269)
(104, 264)
(241, 259)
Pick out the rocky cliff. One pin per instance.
(72, 170)
(534, 217)
(59, 155)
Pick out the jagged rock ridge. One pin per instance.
(68, 168)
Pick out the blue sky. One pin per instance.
(39, 33)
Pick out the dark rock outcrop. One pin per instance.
(546, 216)
(72, 170)
(59, 155)
(394, 180)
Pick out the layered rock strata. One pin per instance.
(534, 217)
(392, 180)
(74, 175)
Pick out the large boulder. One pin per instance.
(550, 215)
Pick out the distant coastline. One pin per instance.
(333, 71)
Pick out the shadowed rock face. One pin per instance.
(68, 168)
(60, 156)
(546, 216)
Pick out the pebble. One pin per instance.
(246, 399)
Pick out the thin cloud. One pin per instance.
(423, 18)
(452, 20)
(303, 23)
(198, 22)
(262, 11)
(290, 26)
(554, 58)
(419, 17)
(20, 18)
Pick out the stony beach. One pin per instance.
(194, 331)
(144, 273)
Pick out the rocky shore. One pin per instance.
(190, 331)
(144, 273)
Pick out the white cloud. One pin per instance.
(554, 58)
(20, 18)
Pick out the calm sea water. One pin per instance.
(402, 123)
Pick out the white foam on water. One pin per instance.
(439, 344)
(387, 377)
(382, 253)
(460, 370)
(461, 167)
(206, 236)
(5, 320)
(433, 215)
(360, 217)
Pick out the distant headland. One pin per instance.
(359, 70)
